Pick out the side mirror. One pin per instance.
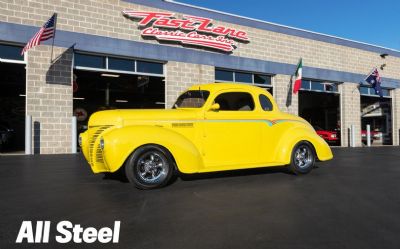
(214, 107)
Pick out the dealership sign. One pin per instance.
(191, 30)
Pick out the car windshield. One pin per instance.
(192, 99)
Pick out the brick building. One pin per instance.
(103, 58)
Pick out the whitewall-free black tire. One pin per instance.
(302, 158)
(149, 167)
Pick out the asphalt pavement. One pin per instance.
(352, 202)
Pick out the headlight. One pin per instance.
(80, 141)
(333, 135)
(101, 143)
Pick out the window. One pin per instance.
(192, 99)
(107, 63)
(222, 75)
(121, 64)
(85, 60)
(235, 101)
(243, 77)
(366, 90)
(265, 103)
(10, 52)
(331, 87)
(319, 86)
(149, 67)
(386, 92)
(262, 79)
(305, 84)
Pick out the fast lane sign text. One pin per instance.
(190, 30)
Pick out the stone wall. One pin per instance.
(396, 116)
(180, 76)
(49, 98)
(350, 102)
(104, 18)
(286, 100)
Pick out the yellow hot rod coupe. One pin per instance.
(211, 127)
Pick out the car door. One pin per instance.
(232, 134)
(270, 135)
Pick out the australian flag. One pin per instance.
(375, 81)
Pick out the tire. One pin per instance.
(302, 158)
(149, 167)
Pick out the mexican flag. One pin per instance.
(299, 75)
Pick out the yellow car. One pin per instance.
(211, 127)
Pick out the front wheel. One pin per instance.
(303, 158)
(149, 167)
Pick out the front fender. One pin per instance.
(120, 143)
(296, 134)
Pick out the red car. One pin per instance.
(375, 135)
(331, 137)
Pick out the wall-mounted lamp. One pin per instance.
(110, 75)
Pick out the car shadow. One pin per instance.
(233, 173)
(120, 174)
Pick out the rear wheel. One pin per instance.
(149, 167)
(303, 158)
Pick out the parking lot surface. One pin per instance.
(352, 201)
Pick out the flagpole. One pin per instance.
(370, 73)
(54, 36)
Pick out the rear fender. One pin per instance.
(295, 135)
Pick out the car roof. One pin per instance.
(213, 87)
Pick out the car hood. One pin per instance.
(123, 117)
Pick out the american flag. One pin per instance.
(46, 32)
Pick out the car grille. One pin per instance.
(96, 155)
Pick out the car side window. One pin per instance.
(265, 103)
(235, 101)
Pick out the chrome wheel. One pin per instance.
(303, 156)
(152, 167)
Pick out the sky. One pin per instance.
(374, 22)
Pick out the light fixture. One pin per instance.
(160, 103)
(101, 143)
(77, 98)
(110, 75)
(121, 101)
(22, 95)
(383, 56)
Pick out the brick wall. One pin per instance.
(180, 76)
(104, 18)
(49, 99)
(396, 116)
(283, 96)
(351, 114)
